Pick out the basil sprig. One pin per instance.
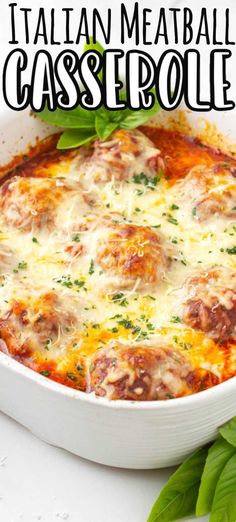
(204, 483)
(219, 454)
(83, 126)
(228, 431)
(179, 496)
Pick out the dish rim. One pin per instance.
(72, 393)
(195, 399)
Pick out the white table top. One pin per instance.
(41, 483)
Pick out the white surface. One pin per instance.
(38, 480)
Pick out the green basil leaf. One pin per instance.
(75, 138)
(136, 118)
(219, 454)
(91, 46)
(101, 122)
(72, 119)
(115, 116)
(179, 496)
(228, 431)
(104, 128)
(224, 503)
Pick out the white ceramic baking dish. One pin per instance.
(118, 433)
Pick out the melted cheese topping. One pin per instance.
(61, 304)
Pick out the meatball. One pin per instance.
(46, 317)
(13, 336)
(28, 203)
(126, 154)
(212, 305)
(210, 191)
(140, 373)
(132, 252)
(50, 317)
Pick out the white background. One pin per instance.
(39, 482)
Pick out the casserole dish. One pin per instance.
(118, 433)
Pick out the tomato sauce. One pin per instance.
(181, 153)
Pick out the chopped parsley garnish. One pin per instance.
(174, 207)
(172, 220)
(126, 323)
(185, 346)
(142, 331)
(114, 329)
(175, 319)
(66, 281)
(76, 238)
(46, 347)
(150, 326)
(231, 250)
(149, 182)
(120, 299)
(34, 239)
(91, 267)
(194, 211)
(140, 179)
(46, 373)
(80, 370)
(71, 376)
(22, 265)
(79, 283)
